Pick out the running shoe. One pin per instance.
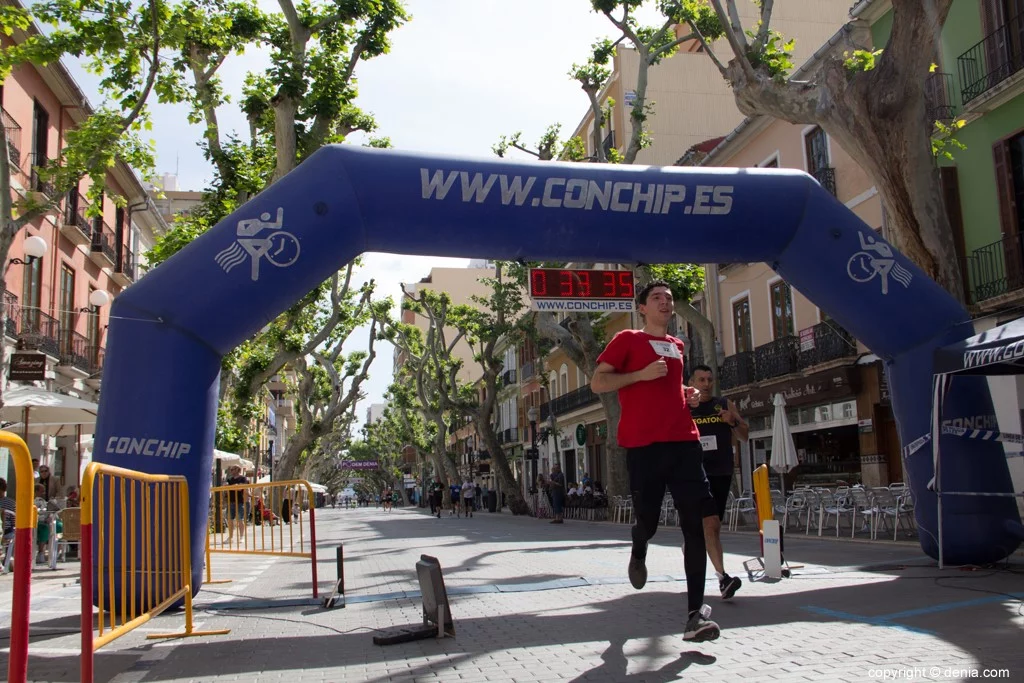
(699, 628)
(729, 585)
(637, 572)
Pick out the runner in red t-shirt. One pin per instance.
(662, 444)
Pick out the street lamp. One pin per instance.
(35, 248)
(531, 415)
(97, 299)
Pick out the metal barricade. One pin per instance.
(276, 518)
(135, 528)
(25, 520)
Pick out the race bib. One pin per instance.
(709, 442)
(666, 349)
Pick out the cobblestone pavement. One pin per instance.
(534, 601)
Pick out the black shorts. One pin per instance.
(720, 485)
(677, 466)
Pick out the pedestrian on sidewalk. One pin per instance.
(662, 444)
(556, 487)
(468, 493)
(719, 424)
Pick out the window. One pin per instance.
(741, 326)
(1008, 159)
(119, 215)
(563, 379)
(97, 222)
(771, 163)
(782, 310)
(67, 306)
(816, 151)
(553, 385)
(32, 294)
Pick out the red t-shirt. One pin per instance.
(654, 411)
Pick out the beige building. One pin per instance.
(461, 284)
(692, 102)
(775, 340)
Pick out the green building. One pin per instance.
(980, 79)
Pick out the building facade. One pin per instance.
(48, 301)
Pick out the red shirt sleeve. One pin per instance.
(616, 352)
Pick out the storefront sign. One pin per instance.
(566, 442)
(27, 367)
(821, 386)
(358, 465)
(581, 434)
(865, 426)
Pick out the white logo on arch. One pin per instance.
(876, 258)
(279, 248)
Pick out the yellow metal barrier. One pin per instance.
(142, 558)
(762, 496)
(25, 519)
(276, 518)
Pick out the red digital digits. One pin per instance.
(554, 283)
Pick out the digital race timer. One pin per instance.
(559, 283)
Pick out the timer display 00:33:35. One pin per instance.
(558, 283)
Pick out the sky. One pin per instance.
(460, 74)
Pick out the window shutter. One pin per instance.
(1007, 212)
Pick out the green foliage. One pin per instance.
(685, 279)
(574, 150)
(860, 60)
(775, 56)
(944, 139)
(698, 14)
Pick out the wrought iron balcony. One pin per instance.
(996, 268)
(96, 359)
(831, 342)
(13, 131)
(124, 270)
(12, 312)
(36, 181)
(572, 401)
(776, 358)
(990, 62)
(103, 243)
(37, 330)
(75, 219)
(826, 177)
(737, 370)
(74, 350)
(938, 88)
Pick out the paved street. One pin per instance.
(535, 601)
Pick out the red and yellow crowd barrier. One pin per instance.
(25, 520)
(135, 529)
(276, 518)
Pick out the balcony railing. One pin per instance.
(508, 377)
(96, 359)
(938, 90)
(103, 241)
(126, 265)
(776, 358)
(990, 62)
(831, 342)
(13, 131)
(573, 400)
(527, 371)
(996, 268)
(74, 350)
(74, 213)
(510, 435)
(36, 330)
(826, 177)
(737, 370)
(36, 181)
(12, 312)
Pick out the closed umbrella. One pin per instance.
(784, 456)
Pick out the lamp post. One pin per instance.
(533, 455)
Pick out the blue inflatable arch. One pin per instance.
(169, 331)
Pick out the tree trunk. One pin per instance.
(509, 487)
(617, 481)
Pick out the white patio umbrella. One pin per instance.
(784, 456)
(55, 414)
